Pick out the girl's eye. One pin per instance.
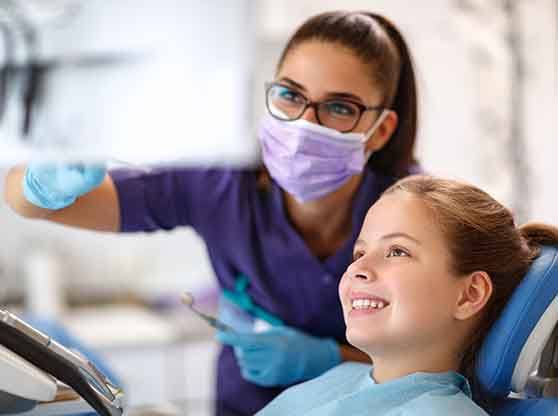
(396, 252)
(357, 255)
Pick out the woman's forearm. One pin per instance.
(96, 210)
(13, 195)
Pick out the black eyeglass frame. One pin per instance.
(315, 105)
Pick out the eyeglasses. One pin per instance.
(287, 104)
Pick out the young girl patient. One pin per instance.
(435, 262)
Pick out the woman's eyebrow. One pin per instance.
(338, 94)
(347, 95)
(293, 83)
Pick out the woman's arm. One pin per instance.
(96, 210)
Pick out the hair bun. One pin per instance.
(537, 234)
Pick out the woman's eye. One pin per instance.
(397, 252)
(287, 94)
(341, 109)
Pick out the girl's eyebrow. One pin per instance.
(400, 235)
(361, 243)
(339, 94)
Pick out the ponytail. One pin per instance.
(397, 156)
(535, 235)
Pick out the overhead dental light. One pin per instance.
(160, 83)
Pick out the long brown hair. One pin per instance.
(481, 236)
(380, 45)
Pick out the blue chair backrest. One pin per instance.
(510, 357)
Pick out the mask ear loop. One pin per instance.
(379, 121)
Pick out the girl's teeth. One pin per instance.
(367, 303)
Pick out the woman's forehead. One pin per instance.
(325, 67)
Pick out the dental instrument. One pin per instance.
(188, 300)
(145, 169)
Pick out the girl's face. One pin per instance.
(321, 71)
(399, 295)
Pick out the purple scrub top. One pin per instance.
(247, 231)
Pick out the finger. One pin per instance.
(95, 174)
(236, 339)
(258, 358)
(239, 353)
(258, 377)
(256, 361)
(249, 375)
(227, 337)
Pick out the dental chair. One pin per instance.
(517, 365)
(44, 370)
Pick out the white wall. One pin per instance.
(102, 264)
(540, 22)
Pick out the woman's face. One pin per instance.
(399, 295)
(320, 71)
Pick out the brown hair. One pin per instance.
(482, 236)
(380, 45)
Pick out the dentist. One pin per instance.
(340, 128)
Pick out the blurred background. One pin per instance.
(487, 73)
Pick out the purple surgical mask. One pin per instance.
(308, 160)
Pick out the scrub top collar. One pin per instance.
(366, 194)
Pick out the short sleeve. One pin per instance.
(166, 198)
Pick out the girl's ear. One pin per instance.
(475, 293)
(384, 132)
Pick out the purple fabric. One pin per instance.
(309, 160)
(246, 230)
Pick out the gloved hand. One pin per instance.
(281, 355)
(55, 186)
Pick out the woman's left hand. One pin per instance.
(281, 355)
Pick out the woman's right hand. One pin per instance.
(56, 186)
(78, 195)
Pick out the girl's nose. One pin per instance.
(361, 271)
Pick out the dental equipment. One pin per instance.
(131, 165)
(188, 300)
(67, 366)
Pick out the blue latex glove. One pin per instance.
(55, 186)
(281, 355)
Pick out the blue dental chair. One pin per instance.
(520, 354)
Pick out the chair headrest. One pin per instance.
(514, 345)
